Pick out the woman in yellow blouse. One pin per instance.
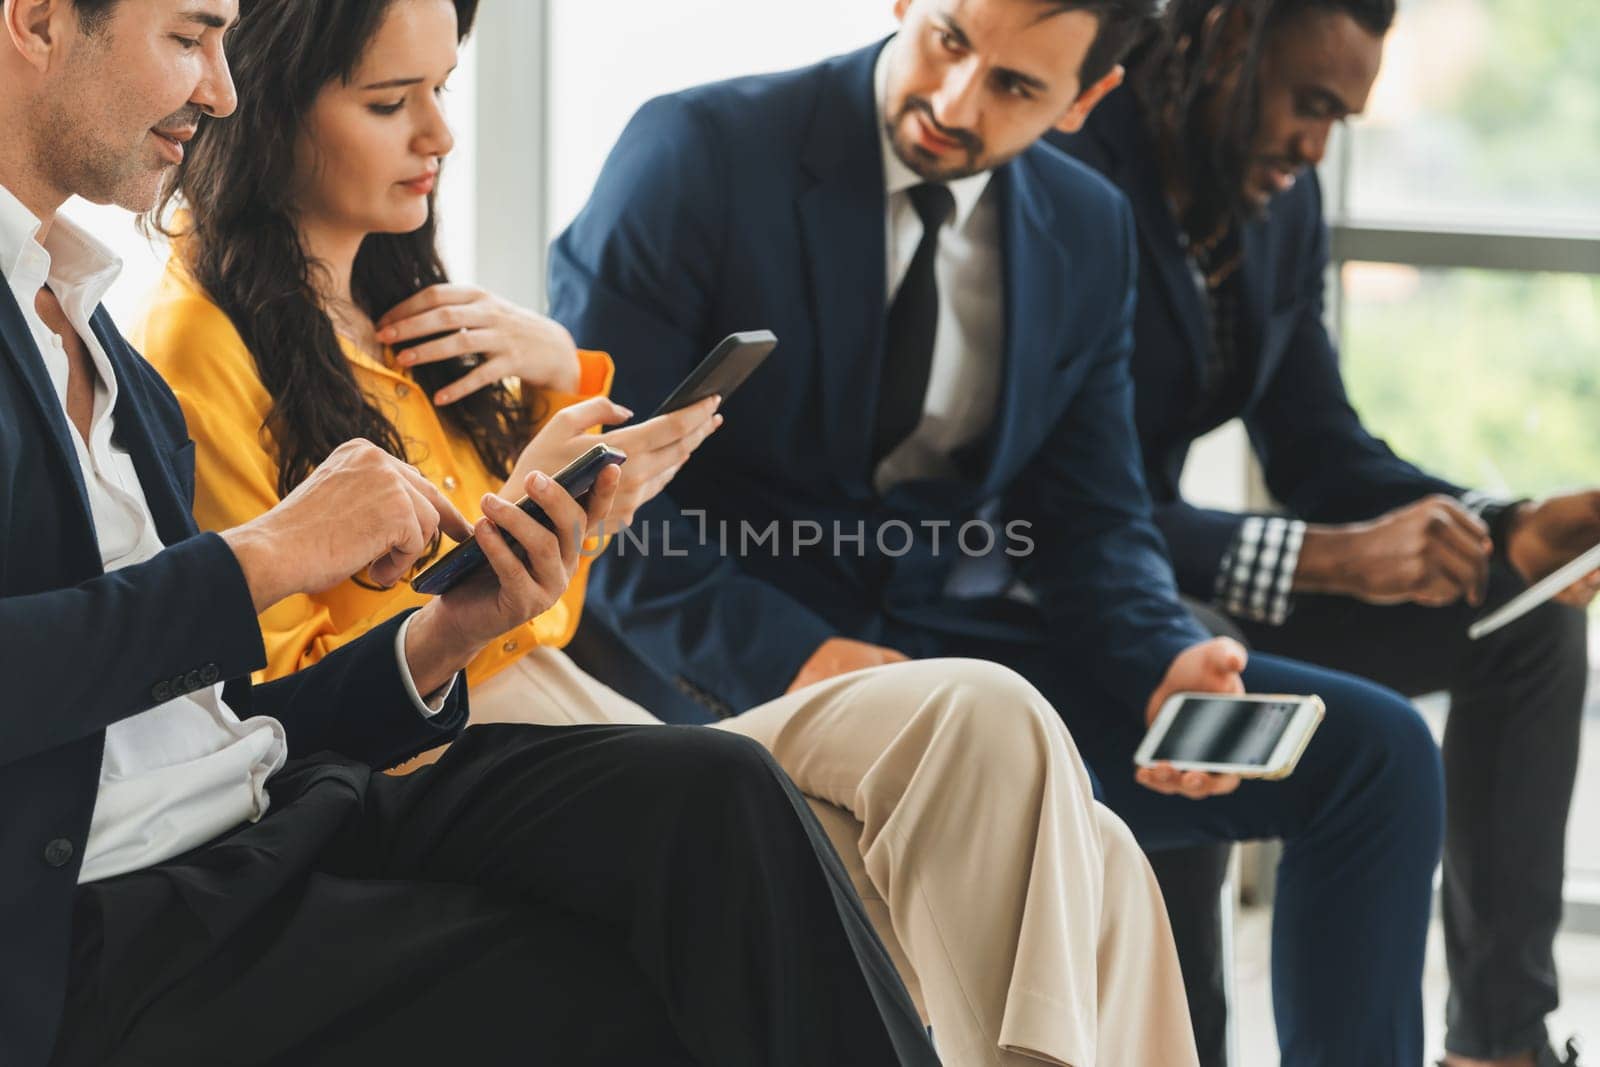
(305, 305)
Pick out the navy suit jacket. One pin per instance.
(760, 203)
(81, 649)
(1319, 460)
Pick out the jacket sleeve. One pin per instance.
(78, 660)
(1319, 459)
(1098, 565)
(353, 703)
(634, 275)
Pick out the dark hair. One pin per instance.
(93, 14)
(1120, 23)
(1172, 74)
(242, 245)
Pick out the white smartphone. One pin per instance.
(1255, 736)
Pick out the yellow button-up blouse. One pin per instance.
(194, 345)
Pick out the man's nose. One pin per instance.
(955, 105)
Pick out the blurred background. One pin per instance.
(1466, 216)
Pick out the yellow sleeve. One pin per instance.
(196, 348)
(595, 374)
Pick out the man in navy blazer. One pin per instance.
(796, 546)
(1376, 567)
(198, 872)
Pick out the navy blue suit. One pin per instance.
(1318, 458)
(81, 649)
(760, 203)
(1510, 746)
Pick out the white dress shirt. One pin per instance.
(177, 775)
(964, 381)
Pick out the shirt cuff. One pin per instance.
(433, 704)
(1496, 512)
(1257, 571)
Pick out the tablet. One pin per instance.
(1536, 594)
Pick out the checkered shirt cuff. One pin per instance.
(1257, 571)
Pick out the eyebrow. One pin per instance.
(401, 83)
(206, 18)
(954, 29)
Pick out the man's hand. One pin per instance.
(361, 508)
(1212, 666)
(840, 655)
(1433, 552)
(451, 629)
(1545, 536)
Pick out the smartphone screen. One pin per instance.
(1222, 730)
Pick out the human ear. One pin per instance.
(37, 29)
(1087, 100)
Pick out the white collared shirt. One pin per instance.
(964, 382)
(177, 775)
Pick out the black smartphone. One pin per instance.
(466, 559)
(733, 360)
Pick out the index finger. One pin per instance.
(450, 518)
(426, 300)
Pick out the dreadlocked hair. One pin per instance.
(1173, 73)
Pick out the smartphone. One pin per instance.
(467, 558)
(1251, 736)
(733, 360)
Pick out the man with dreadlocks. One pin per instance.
(1378, 567)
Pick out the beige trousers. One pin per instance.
(1021, 913)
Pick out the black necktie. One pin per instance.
(913, 319)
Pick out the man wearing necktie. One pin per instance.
(940, 459)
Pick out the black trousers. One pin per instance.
(542, 895)
(1510, 758)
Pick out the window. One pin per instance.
(1486, 114)
(1467, 227)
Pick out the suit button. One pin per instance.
(402, 390)
(58, 853)
(509, 646)
(210, 674)
(192, 682)
(162, 692)
(450, 483)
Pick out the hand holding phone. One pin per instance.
(467, 558)
(1252, 736)
(735, 358)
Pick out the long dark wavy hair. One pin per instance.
(1173, 70)
(241, 243)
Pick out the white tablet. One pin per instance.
(1536, 594)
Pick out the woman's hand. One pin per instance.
(514, 342)
(656, 448)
